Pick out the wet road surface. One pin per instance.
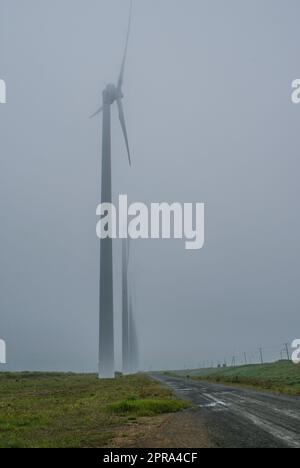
(241, 418)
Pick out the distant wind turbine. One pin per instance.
(111, 94)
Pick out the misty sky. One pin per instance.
(210, 119)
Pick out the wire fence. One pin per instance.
(259, 355)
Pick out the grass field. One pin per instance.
(68, 410)
(282, 377)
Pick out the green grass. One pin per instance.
(41, 410)
(282, 377)
(147, 407)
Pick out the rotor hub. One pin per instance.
(111, 94)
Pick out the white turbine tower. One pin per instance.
(129, 334)
(125, 308)
(111, 94)
(133, 339)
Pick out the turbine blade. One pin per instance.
(96, 113)
(121, 77)
(123, 125)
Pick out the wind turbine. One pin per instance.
(111, 94)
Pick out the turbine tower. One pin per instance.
(133, 340)
(129, 335)
(125, 309)
(111, 94)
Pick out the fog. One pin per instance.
(207, 97)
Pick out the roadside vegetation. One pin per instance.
(148, 407)
(282, 377)
(40, 410)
